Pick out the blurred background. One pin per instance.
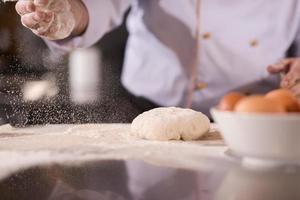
(34, 83)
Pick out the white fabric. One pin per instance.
(161, 31)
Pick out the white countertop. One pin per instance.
(63, 144)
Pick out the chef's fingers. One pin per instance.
(34, 20)
(25, 7)
(293, 76)
(53, 5)
(282, 66)
(41, 3)
(29, 21)
(45, 33)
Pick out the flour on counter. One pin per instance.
(62, 144)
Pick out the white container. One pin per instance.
(84, 75)
(273, 138)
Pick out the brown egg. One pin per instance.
(259, 104)
(229, 101)
(284, 97)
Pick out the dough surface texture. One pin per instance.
(170, 123)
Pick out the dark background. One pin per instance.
(25, 57)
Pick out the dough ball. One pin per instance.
(170, 124)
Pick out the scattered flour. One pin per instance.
(26, 147)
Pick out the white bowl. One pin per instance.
(272, 137)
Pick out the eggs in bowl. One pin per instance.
(259, 127)
(276, 101)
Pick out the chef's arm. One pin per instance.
(101, 17)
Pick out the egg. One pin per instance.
(284, 97)
(259, 104)
(229, 101)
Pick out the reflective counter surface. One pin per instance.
(131, 179)
(103, 161)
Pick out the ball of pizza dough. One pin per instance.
(170, 124)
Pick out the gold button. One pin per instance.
(206, 36)
(200, 86)
(254, 43)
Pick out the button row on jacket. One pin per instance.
(207, 36)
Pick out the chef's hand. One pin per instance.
(61, 19)
(291, 68)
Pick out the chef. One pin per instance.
(182, 53)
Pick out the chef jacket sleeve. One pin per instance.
(104, 16)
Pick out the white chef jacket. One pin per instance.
(239, 39)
